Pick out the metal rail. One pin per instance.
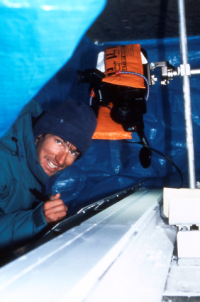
(186, 96)
(121, 254)
(195, 71)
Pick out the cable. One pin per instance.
(118, 73)
(138, 74)
(160, 153)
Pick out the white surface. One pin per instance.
(183, 281)
(116, 255)
(187, 196)
(188, 243)
(184, 211)
(140, 272)
(101, 61)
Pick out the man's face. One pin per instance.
(55, 153)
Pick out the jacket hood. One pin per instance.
(19, 140)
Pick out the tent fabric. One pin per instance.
(42, 47)
(110, 166)
(36, 39)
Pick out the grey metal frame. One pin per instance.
(186, 96)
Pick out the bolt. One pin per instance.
(184, 228)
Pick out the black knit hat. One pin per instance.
(71, 120)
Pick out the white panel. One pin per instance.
(180, 194)
(140, 272)
(184, 211)
(183, 281)
(188, 243)
(121, 243)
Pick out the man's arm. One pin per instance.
(20, 227)
(19, 224)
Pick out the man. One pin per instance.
(29, 155)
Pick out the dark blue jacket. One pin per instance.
(20, 172)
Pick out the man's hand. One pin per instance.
(55, 209)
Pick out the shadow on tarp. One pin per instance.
(110, 166)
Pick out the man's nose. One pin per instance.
(61, 157)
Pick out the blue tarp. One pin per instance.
(36, 41)
(110, 166)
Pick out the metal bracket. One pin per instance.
(184, 70)
(168, 71)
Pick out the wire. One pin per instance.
(140, 75)
(108, 107)
(92, 94)
(160, 153)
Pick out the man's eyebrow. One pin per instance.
(64, 140)
(75, 148)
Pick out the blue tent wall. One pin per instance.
(113, 165)
(36, 39)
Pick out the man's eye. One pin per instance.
(74, 153)
(58, 141)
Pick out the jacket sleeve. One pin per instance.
(19, 223)
(20, 227)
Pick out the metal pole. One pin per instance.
(195, 71)
(186, 96)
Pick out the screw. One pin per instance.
(184, 228)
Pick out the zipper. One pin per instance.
(19, 152)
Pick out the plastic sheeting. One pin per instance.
(110, 166)
(36, 39)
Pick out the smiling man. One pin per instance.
(38, 145)
(55, 153)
